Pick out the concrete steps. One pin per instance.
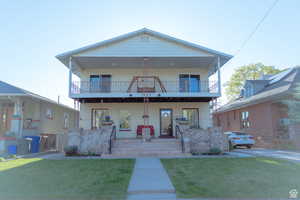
(138, 148)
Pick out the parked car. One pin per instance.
(238, 139)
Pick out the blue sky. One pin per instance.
(33, 32)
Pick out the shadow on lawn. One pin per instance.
(64, 179)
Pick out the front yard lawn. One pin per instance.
(233, 177)
(65, 179)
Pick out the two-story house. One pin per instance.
(144, 78)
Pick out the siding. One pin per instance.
(144, 45)
(36, 110)
(166, 74)
(56, 125)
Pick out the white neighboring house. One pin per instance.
(144, 77)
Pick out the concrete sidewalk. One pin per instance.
(150, 181)
(288, 155)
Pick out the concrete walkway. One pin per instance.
(150, 181)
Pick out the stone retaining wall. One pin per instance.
(200, 141)
(90, 141)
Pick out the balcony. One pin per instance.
(153, 88)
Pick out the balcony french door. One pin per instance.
(189, 83)
(100, 83)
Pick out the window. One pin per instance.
(284, 121)
(228, 119)
(49, 113)
(4, 120)
(245, 123)
(192, 115)
(124, 120)
(189, 83)
(100, 83)
(218, 121)
(66, 120)
(99, 116)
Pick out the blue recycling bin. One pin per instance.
(12, 149)
(35, 143)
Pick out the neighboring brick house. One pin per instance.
(260, 110)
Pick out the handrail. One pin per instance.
(81, 87)
(112, 137)
(177, 130)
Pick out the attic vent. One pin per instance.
(145, 38)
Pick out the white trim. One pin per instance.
(70, 75)
(133, 95)
(219, 77)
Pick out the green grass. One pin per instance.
(233, 177)
(65, 179)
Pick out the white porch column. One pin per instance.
(219, 76)
(17, 118)
(70, 76)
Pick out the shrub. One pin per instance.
(13, 156)
(215, 151)
(2, 159)
(71, 150)
(195, 152)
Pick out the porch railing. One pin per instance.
(112, 137)
(179, 133)
(85, 87)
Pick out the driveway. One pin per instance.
(290, 155)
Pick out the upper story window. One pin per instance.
(49, 113)
(245, 123)
(66, 120)
(100, 83)
(189, 83)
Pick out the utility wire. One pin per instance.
(257, 26)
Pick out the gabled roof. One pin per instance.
(64, 57)
(10, 90)
(279, 86)
(6, 88)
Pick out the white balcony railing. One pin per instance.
(87, 87)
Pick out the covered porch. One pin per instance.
(128, 117)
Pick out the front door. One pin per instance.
(166, 126)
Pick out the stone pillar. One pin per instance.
(187, 145)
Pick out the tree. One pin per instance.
(243, 73)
